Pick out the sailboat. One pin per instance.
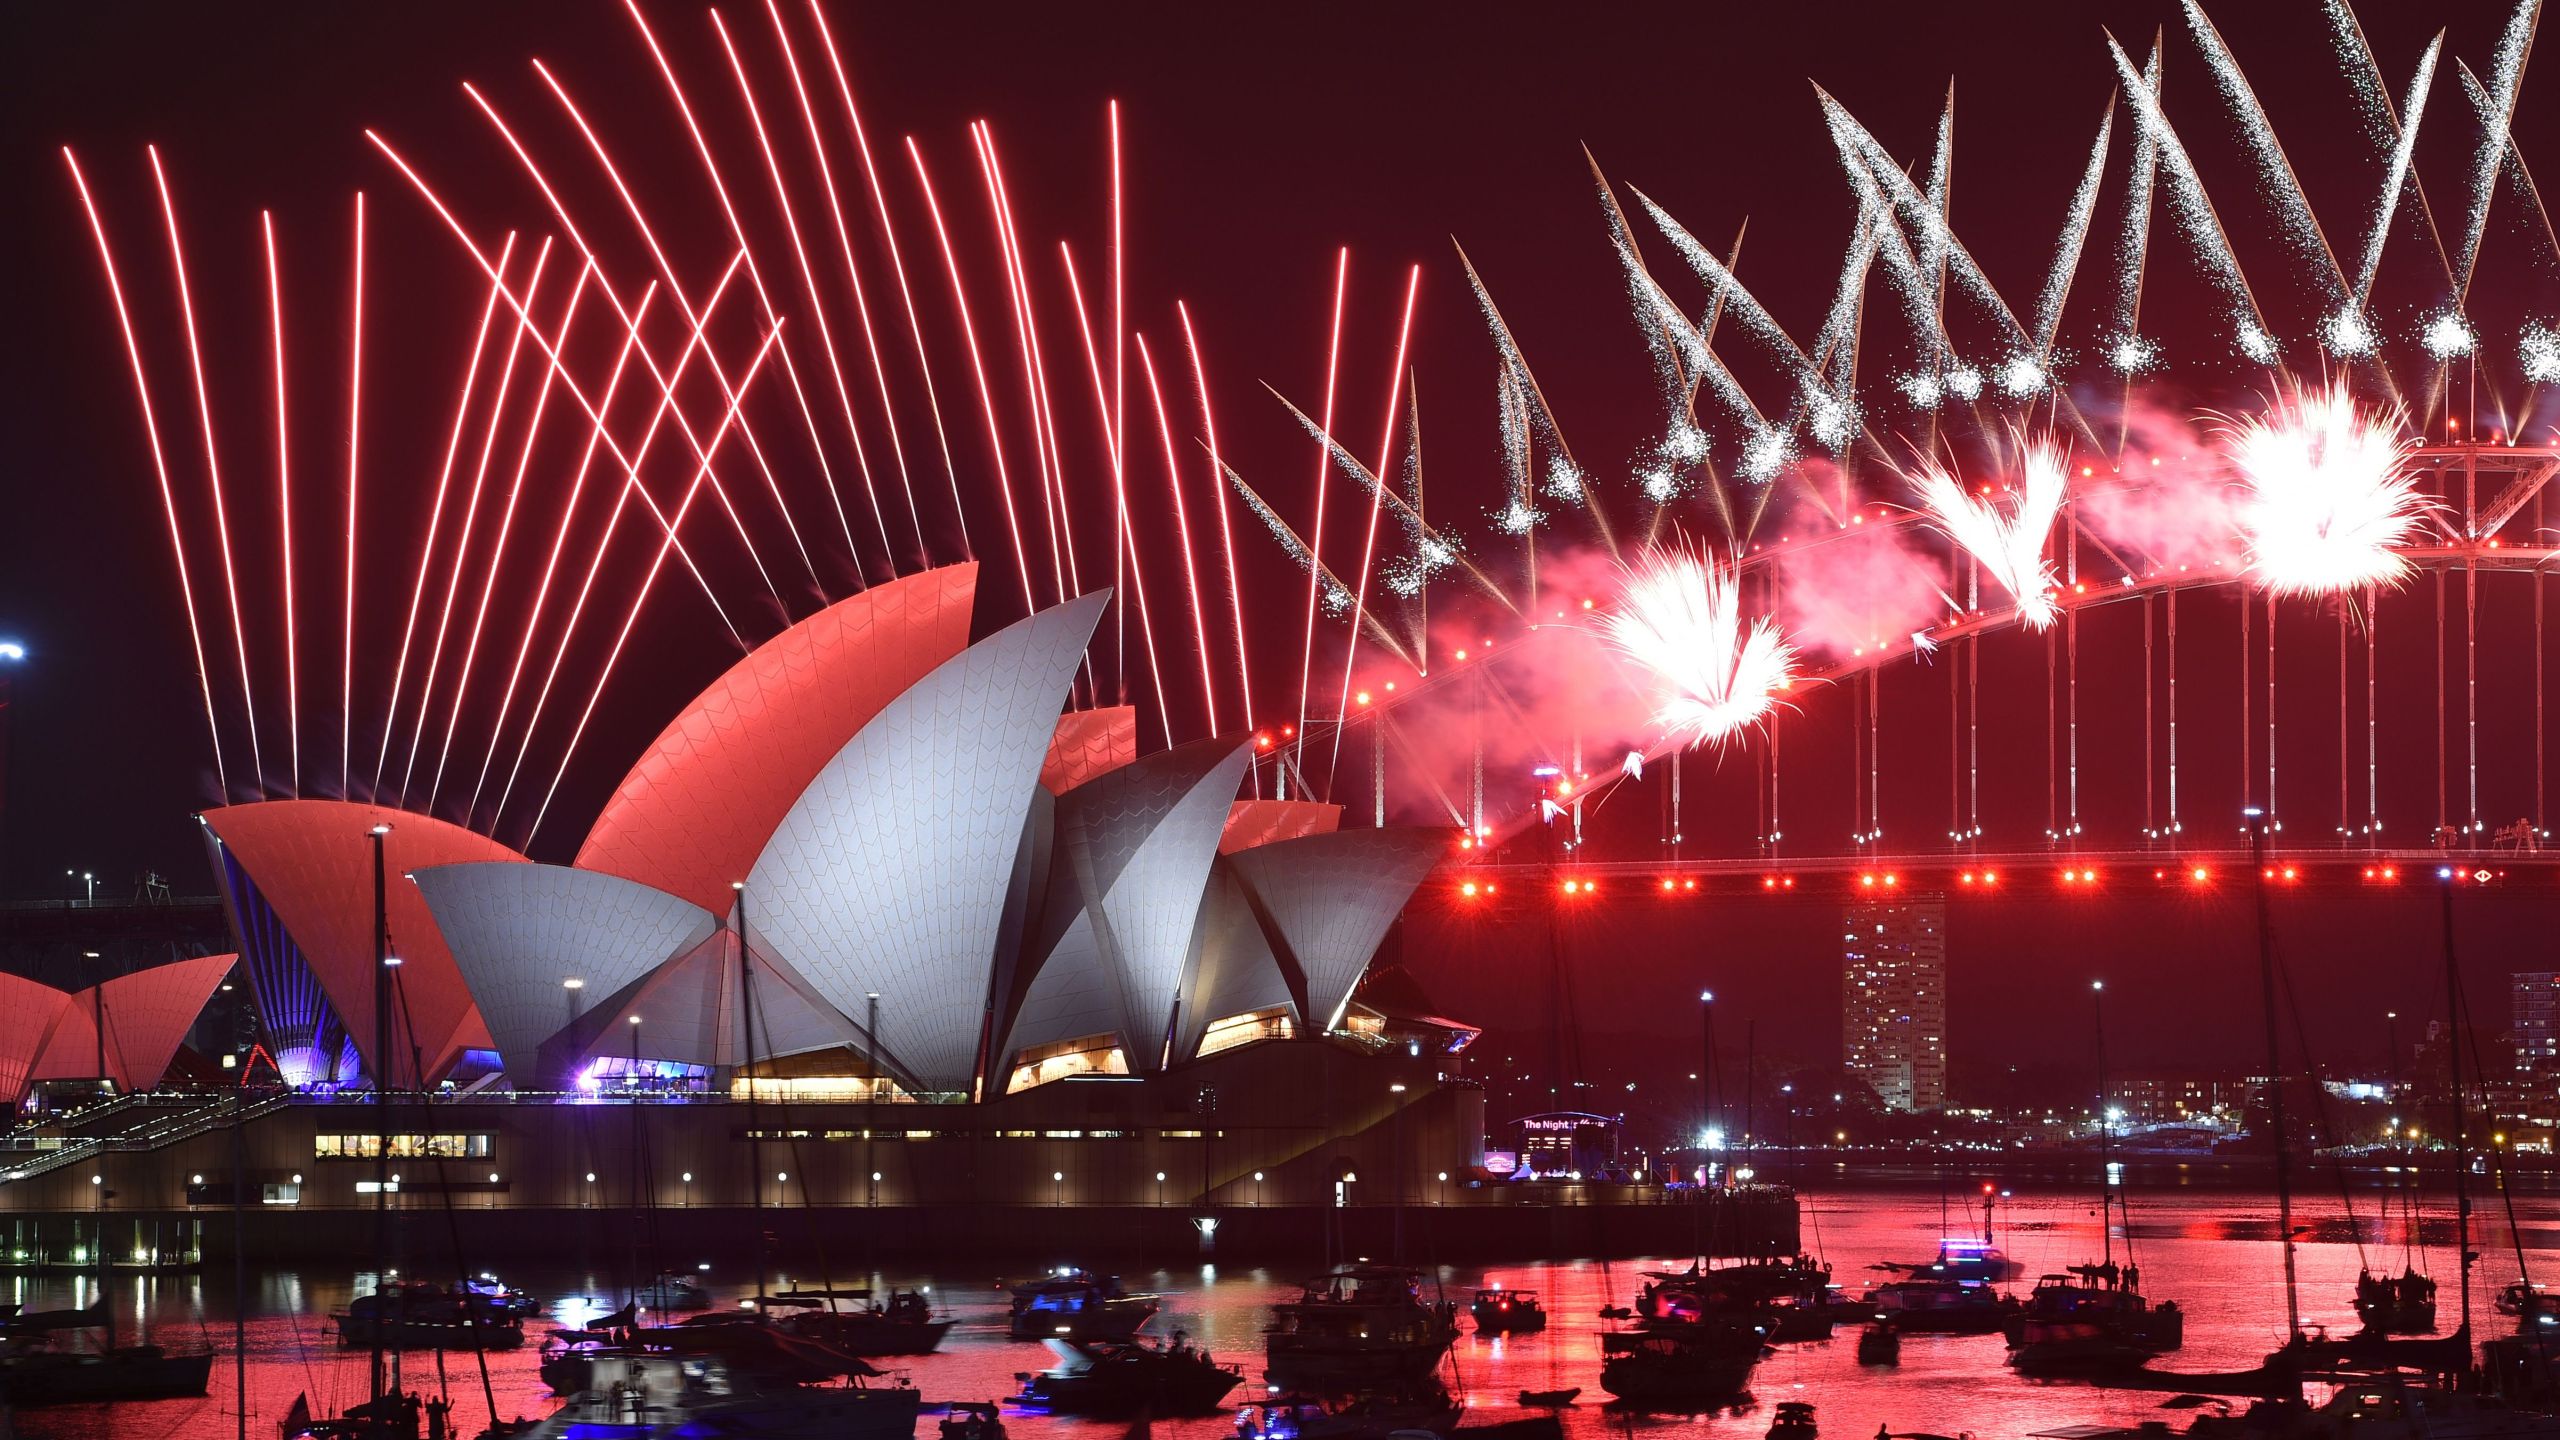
(2094, 1318)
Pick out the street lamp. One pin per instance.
(1057, 1187)
(688, 1189)
(1257, 1189)
(1159, 1187)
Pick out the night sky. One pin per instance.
(1257, 142)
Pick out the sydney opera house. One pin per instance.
(878, 877)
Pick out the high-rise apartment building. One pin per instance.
(1893, 1000)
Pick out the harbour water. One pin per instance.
(2213, 1252)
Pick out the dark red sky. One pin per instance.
(1258, 141)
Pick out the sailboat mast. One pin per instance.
(747, 1058)
(381, 1107)
(2106, 1133)
(2275, 1071)
(2461, 1136)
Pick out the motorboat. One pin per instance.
(1959, 1258)
(674, 1290)
(1655, 1369)
(1507, 1312)
(2403, 1304)
(677, 1397)
(48, 1376)
(1880, 1343)
(1073, 1304)
(2092, 1318)
(1943, 1307)
(1361, 1327)
(1794, 1421)
(1115, 1379)
(859, 1321)
(1549, 1399)
(422, 1315)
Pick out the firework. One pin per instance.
(2006, 539)
(2326, 495)
(1712, 673)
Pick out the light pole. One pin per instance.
(1257, 1189)
(1057, 1187)
(1159, 1189)
(686, 1201)
(12, 655)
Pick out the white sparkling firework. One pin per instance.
(1922, 390)
(1659, 484)
(2135, 245)
(1832, 420)
(2397, 179)
(1764, 455)
(2347, 335)
(1564, 481)
(2075, 234)
(2539, 350)
(2276, 179)
(2326, 497)
(2134, 354)
(2448, 336)
(1684, 443)
(1711, 673)
(2188, 202)
(1964, 382)
(1518, 518)
(2007, 539)
(2504, 76)
(2022, 376)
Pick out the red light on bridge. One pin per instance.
(1868, 881)
(2382, 873)
(2079, 877)
(2199, 875)
(1990, 877)
(1469, 889)
(1768, 882)
(1667, 885)
(1688, 884)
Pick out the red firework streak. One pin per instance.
(1226, 531)
(647, 582)
(595, 416)
(551, 562)
(1324, 468)
(818, 307)
(355, 416)
(595, 561)
(675, 287)
(159, 463)
(978, 366)
(212, 466)
(755, 278)
(897, 263)
(435, 507)
(1182, 527)
(1035, 376)
(1377, 498)
(284, 517)
(471, 518)
(1127, 540)
(646, 357)
(844, 243)
(506, 528)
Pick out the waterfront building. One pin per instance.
(1893, 990)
